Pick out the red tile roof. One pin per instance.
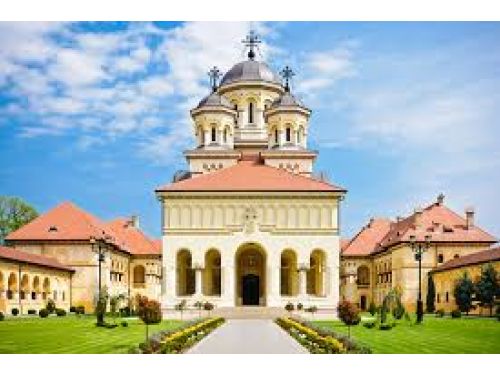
(68, 222)
(485, 256)
(251, 175)
(134, 240)
(64, 222)
(368, 238)
(39, 260)
(438, 221)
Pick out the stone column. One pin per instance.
(302, 283)
(198, 277)
(228, 287)
(206, 137)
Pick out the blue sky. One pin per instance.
(97, 113)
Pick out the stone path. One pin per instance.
(248, 336)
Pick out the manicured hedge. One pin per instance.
(178, 341)
(320, 341)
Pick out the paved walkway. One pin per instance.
(248, 336)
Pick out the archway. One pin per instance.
(212, 273)
(25, 286)
(12, 286)
(316, 273)
(35, 288)
(288, 273)
(185, 274)
(46, 288)
(250, 271)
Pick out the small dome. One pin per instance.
(250, 70)
(215, 100)
(287, 100)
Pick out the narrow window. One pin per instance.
(440, 258)
(214, 135)
(225, 135)
(288, 134)
(250, 113)
(446, 296)
(456, 256)
(438, 299)
(276, 136)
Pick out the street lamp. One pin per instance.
(99, 247)
(419, 248)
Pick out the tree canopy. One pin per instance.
(487, 287)
(464, 289)
(14, 213)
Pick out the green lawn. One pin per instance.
(435, 335)
(72, 335)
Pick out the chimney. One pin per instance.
(440, 199)
(134, 220)
(418, 217)
(370, 223)
(399, 218)
(469, 217)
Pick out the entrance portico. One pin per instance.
(250, 268)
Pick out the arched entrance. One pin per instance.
(362, 303)
(250, 271)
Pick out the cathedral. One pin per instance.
(250, 223)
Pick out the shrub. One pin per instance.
(43, 313)
(456, 314)
(51, 306)
(60, 312)
(300, 306)
(349, 314)
(372, 309)
(398, 311)
(385, 327)
(15, 311)
(207, 306)
(72, 309)
(181, 306)
(439, 313)
(80, 309)
(369, 325)
(2, 316)
(31, 312)
(289, 307)
(125, 311)
(124, 323)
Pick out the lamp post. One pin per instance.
(99, 247)
(418, 249)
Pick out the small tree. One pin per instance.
(149, 311)
(101, 306)
(487, 287)
(181, 306)
(372, 309)
(198, 305)
(114, 302)
(349, 314)
(14, 213)
(431, 295)
(208, 306)
(464, 288)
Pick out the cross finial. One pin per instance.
(214, 75)
(287, 74)
(251, 41)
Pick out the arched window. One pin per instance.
(139, 276)
(447, 297)
(250, 113)
(288, 274)
(185, 274)
(276, 136)
(316, 273)
(440, 258)
(225, 135)
(214, 135)
(212, 273)
(288, 134)
(12, 286)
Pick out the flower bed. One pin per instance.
(319, 341)
(178, 341)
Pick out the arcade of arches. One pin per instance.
(251, 275)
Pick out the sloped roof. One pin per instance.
(438, 221)
(251, 175)
(64, 222)
(485, 256)
(367, 239)
(24, 257)
(133, 239)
